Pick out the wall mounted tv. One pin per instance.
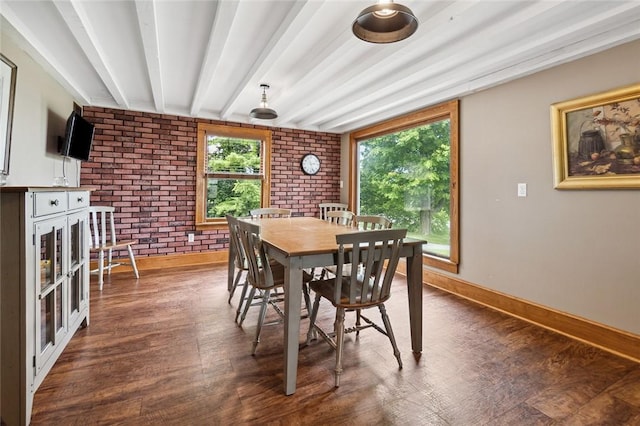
(78, 138)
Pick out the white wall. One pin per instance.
(576, 251)
(39, 117)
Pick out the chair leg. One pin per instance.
(235, 284)
(307, 301)
(247, 303)
(109, 260)
(358, 322)
(132, 260)
(311, 334)
(100, 268)
(243, 299)
(339, 330)
(263, 313)
(387, 326)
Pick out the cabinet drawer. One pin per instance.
(45, 203)
(78, 199)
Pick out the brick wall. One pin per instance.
(145, 165)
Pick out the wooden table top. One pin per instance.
(304, 236)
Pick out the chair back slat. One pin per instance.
(328, 207)
(259, 274)
(268, 212)
(369, 280)
(372, 222)
(94, 238)
(340, 217)
(235, 245)
(102, 225)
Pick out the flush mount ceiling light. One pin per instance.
(263, 112)
(385, 22)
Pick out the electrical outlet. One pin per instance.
(522, 190)
(191, 237)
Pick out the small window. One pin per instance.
(233, 172)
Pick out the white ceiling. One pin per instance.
(208, 58)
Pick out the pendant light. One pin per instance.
(263, 112)
(385, 22)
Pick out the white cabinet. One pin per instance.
(44, 287)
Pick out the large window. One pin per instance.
(232, 173)
(407, 170)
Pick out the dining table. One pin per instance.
(300, 243)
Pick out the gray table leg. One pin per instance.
(292, 305)
(414, 285)
(232, 256)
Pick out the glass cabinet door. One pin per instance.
(78, 256)
(51, 278)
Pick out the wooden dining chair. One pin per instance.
(267, 212)
(264, 276)
(103, 240)
(372, 222)
(240, 264)
(328, 207)
(368, 285)
(340, 217)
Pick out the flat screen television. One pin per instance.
(78, 138)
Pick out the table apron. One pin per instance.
(325, 259)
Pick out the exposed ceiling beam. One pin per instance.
(411, 72)
(220, 30)
(147, 21)
(39, 48)
(448, 66)
(76, 19)
(289, 29)
(549, 50)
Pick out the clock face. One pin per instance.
(310, 164)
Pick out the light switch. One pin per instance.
(522, 190)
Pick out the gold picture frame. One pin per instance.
(596, 141)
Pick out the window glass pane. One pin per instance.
(233, 155)
(46, 259)
(75, 243)
(75, 291)
(58, 302)
(406, 176)
(233, 172)
(58, 254)
(46, 321)
(232, 196)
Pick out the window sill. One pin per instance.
(440, 263)
(209, 226)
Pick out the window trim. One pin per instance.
(446, 110)
(264, 135)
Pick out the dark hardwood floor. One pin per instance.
(165, 351)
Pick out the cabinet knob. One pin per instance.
(54, 202)
(80, 199)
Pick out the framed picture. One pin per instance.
(596, 141)
(7, 95)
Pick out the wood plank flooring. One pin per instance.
(165, 351)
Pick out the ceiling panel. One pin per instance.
(208, 58)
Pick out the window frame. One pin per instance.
(446, 110)
(263, 135)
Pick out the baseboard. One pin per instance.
(170, 261)
(616, 341)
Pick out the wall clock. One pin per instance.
(310, 164)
